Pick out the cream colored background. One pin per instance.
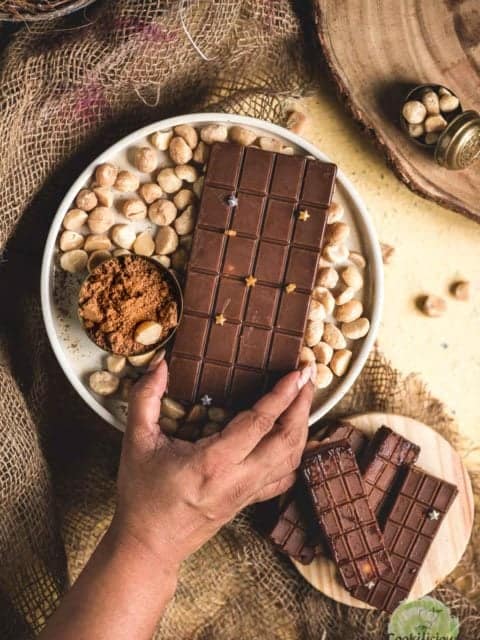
(434, 247)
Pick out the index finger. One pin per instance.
(244, 432)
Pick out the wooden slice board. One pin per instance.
(376, 51)
(439, 458)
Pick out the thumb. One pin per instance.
(143, 429)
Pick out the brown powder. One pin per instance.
(121, 293)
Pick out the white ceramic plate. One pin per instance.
(78, 356)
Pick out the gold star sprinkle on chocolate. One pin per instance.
(290, 288)
(230, 232)
(433, 514)
(303, 215)
(220, 319)
(251, 281)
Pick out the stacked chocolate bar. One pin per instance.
(365, 506)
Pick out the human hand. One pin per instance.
(174, 495)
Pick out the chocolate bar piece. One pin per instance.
(344, 515)
(385, 458)
(294, 531)
(242, 327)
(410, 529)
(343, 430)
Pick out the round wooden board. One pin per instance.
(439, 458)
(376, 51)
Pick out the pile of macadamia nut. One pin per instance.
(428, 111)
(150, 210)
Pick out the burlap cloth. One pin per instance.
(67, 90)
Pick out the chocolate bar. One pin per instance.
(341, 508)
(293, 531)
(260, 227)
(343, 430)
(385, 458)
(410, 528)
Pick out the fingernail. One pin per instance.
(156, 360)
(306, 374)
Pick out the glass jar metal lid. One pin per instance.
(459, 144)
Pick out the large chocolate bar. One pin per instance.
(415, 518)
(260, 228)
(294, 531)
(385, 458)
(344, 515)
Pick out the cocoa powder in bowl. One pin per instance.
(120, 294)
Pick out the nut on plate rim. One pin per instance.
(177, 289)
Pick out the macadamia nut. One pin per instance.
(335, 253)
(323, 352)
(183, 199)
(172, 409)
(186, 172)
(74, 261)
(74, 219)
(148, 332)
(313, 333)
(214, 133)
(144, 244)
(179, 151)
(316, 311)
(333, 336)
(162, 212)
(100, 220)
(116, 364)
(337, 232)
(103, 383)
(324, 376)
(127, 182)
(352, 277)
(123, 235)
(188, 133)
(325, 297)
(349, 311)
(169, 181)
(430, 102)
(95, 242)
(145, 159)
(134, 209)
(335, 213)
(70, 240)
(106, 174)
(416, 130)
(163, 260)
(356, 329)
(104, 196)
(242, 135)
(340, 361)
(201, 153)
(306, 355)
(327, 277)
(435, 124)
(185, 222)
(449, 103)
(150, 192)
(414, 112)
(168, 426)
(345, 295)
(142, 359)
(86, 200)
(161, 139)
(166, 241)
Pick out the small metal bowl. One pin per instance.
(416, 94)
(175, 288)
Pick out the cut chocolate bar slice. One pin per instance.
(341, 507)
(415, 518)
(241, 328)
(385, 459)
(343, 430)
(293, 529)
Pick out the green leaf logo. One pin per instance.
(423, 619)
